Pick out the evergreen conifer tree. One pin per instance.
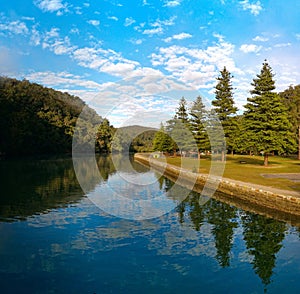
(198, 119)
(178, 129)
(267, 125)
(224, 106)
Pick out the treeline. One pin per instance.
(269, 124)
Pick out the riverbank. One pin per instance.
(260, 196)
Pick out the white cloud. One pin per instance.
(136, 41)
(119, 68)
(129, 21)
(74, 31)
(155, 31)
(178, 37)
(35, 37)
(219, 37)
(197, 67)
(255, 8)
(250, 48)
(280, 45)
(113, 18)
(56, 44)
(14, 27)
(260, 39)
(94, 22)
(298, 36)
(107, 61)
(51, 6)
(61, 79)
(156, 27)
(172, 3)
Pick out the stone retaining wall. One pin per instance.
(247, 193)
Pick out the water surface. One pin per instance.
(55, 240)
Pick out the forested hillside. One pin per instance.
(133, 139)
(38, 120)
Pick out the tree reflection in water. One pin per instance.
(263, 236)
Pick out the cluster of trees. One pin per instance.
(269, 124)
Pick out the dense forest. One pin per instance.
(38, 120)
(270, 123)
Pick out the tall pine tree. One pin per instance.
(224, 106)
(198, 119)
(267, 125)
(178, 128)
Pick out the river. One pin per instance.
(54, 239)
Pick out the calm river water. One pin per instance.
(53, 239)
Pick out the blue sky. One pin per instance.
(133, 60)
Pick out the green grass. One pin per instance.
(251, 171)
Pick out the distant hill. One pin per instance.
(38, 120)
(134, 138)
(136, 129)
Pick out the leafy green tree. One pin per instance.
(224, 106)
(198, 122)
(267, 125)
(291, 98)
(162, 141)
(104, 137)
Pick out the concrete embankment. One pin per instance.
(285, 204)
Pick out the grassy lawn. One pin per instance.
(248, 169)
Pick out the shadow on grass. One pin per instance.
(252, 160)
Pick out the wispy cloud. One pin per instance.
(180, 36)
(113, 18)
(94, 22)
(14, 27)
(157, 27)
(255, 8)
(59, 45)
(129, 21)
(62, 79)
(172, 3)
(155, 31)
(260, 39)
(280, 45)
(107, 61)
(250, 48)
